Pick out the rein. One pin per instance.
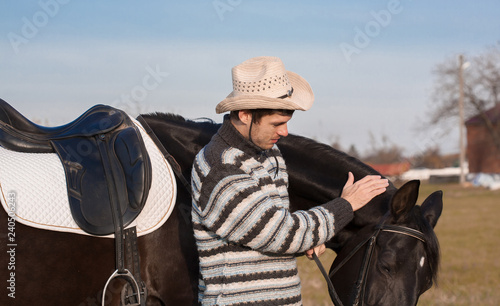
(363, 272)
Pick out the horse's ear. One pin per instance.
(432, 207)
(404, 199)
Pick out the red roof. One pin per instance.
(493, 114)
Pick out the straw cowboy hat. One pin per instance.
(263, 82)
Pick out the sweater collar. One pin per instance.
(234, 139)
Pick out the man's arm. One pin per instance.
(358, 194)
(244, 211)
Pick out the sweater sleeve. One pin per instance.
(245, 211)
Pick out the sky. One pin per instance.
(369, 63)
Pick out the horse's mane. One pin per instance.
(165, 116)
(170, 117)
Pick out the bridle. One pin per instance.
(363, 272)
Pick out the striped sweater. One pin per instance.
(246, 236)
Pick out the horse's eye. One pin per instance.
(386, 263)
(386, 269)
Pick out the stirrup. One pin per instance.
(126, 275)
(128, 295)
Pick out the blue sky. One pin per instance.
(369, 62)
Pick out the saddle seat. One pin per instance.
(18, 133)
(106, 164)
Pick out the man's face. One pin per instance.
(269, 130)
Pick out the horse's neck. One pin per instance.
(318, 173)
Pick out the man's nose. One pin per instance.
(283, 130)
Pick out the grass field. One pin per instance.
(469, 235)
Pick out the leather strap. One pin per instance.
(333, 294)
(114, 202)
(116, 197)
(128, 296)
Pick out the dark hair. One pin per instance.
(257, 114)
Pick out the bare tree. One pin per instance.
(430, 158)
(481, 89)
(383, 151)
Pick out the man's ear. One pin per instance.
(245, 116)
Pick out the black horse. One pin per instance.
(54, 268)
(317, 173)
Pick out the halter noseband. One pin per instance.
(363, 272)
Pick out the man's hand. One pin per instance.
(319, 250)
(361, 192)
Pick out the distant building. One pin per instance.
(482, 153)
(393, 171)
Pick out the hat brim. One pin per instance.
(301, 99)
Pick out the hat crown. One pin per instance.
(261, 76)
(263, 83)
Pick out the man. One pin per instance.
(246, 236)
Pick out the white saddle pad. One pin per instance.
(33, 189)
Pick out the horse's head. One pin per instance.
(398, 256)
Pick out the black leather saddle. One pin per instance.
(107, 168)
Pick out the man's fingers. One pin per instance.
(350, 179)
(319, 250)
(373, 181)
(369, 178)
(375, 192)
(361, 192)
